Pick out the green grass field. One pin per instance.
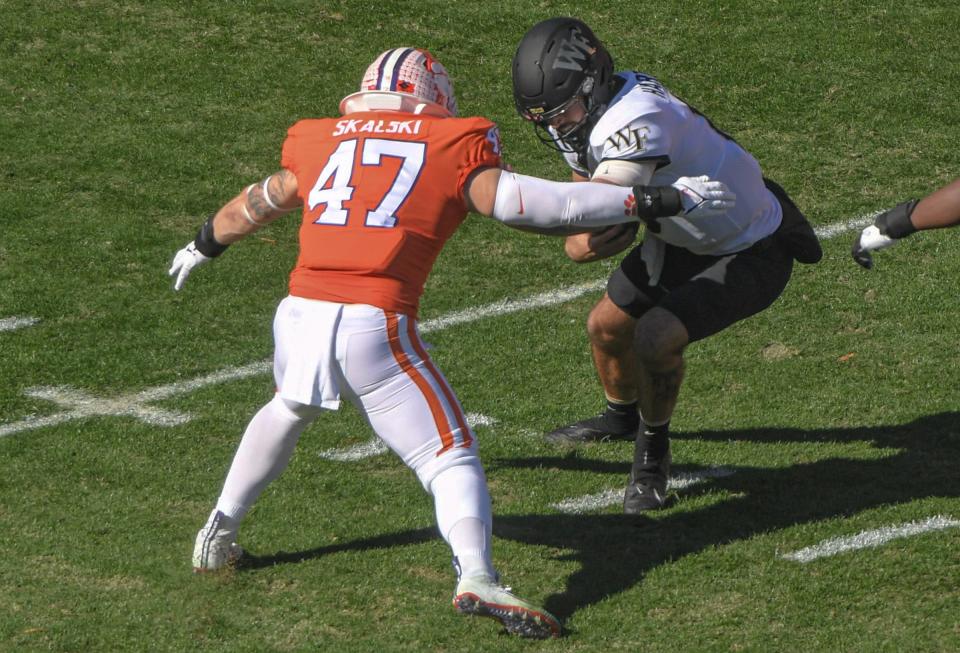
(834, 413)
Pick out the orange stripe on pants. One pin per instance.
(433, 401)
(444, 388)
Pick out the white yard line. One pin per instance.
(829, 231)
(80, 404)
(479, 419)
(368, 449)
(594, 502)
(183, 387)
(14, 323)
(507, 306)
(872, 538)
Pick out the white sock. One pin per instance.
(264, 452)
(464, 517)
(470, 541)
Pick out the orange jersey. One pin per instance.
(382, 192)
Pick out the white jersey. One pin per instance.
(645, 123)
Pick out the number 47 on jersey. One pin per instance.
(340, 167)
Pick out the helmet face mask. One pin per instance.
(558, 62)
(568, 136)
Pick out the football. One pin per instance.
(623, 228)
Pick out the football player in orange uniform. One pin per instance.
(381, 189)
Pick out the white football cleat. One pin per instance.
(216, 547)
(484, 597)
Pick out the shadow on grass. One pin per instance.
(251, 561)
(615, 551)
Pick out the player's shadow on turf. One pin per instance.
(616, 551)
(251, 561)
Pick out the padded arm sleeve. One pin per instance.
(532, 202)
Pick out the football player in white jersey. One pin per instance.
(690, 278)
(935, 211)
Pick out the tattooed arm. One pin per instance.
(256, 206)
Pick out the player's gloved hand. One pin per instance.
(702, 197)
(889, 227)
(869, 240)
(197, 252)
(183, 263)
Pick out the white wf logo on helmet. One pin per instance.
(573, 52)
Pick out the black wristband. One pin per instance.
(205, 243)
(657, 202)
(896, 223)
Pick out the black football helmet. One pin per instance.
(558, 62)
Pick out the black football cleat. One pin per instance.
(592, 429)
(647, 486)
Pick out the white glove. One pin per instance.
(870, 240)
(184, 261)
(702, 197)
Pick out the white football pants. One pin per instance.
(374, 358)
